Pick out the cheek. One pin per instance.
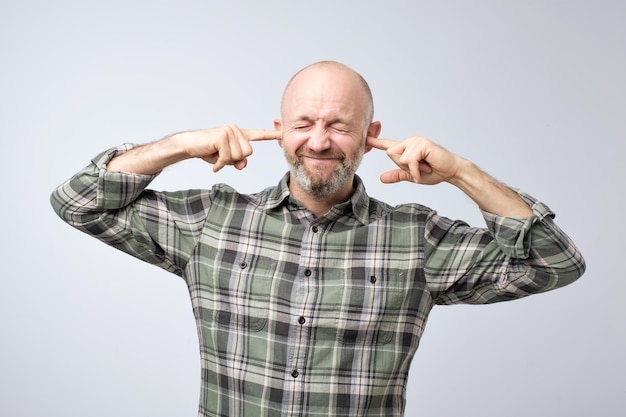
(348, 144)
(293, 140)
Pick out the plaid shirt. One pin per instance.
(305, 316)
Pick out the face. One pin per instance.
(325, 123)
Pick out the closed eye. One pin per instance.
(340, 129)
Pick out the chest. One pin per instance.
(255, 265)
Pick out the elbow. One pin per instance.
(534, 278)
(567, 271)
(59, 204)
(572, 272)
(73, 211)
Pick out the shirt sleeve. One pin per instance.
(510, 259)
(116, 207)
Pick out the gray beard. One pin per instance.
(324, 187)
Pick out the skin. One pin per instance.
(325, 125)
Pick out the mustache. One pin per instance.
(329, 153)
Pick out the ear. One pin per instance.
(278, 125)
(373, 130)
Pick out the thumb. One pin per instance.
(241, 164)
(396, 175)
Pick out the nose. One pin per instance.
(319, 140)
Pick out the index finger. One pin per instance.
(379, 143)
(261, 134)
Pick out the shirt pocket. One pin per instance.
(370, 305)
(241, 290)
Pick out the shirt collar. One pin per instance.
(358, 205)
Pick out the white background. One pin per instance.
(532, 91)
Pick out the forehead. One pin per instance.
(324, 92)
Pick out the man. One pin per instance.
(310, 297)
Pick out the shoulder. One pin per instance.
(226, 194)
(381, 209)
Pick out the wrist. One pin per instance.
(488, 193)
(466, 175)
(177, 147)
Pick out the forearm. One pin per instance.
(151, 158)
(488, 193)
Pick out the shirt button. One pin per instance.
(243, 265)
(314, 229)
(301, 320)
(295, 373)
(373, 279)
(307, 272)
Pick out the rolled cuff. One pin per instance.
(513, 234)
(118, 189)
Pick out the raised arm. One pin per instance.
(108, 199)
(522, 252)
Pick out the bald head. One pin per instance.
(332, 73)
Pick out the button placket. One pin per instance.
(310, 252)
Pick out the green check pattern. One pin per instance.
(304, 316)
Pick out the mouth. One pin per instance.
(321, 162)
(322, 157)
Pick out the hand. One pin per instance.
(419, 160)
(226, 145)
